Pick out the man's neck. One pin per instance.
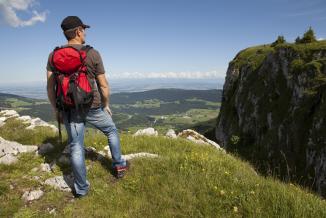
(74, 42)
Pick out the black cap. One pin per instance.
(71, 22)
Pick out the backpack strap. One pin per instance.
(86, 48)
(52, 58)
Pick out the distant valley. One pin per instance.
(158, 108)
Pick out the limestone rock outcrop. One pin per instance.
(32, 122)
(9, 151)
(273, 110)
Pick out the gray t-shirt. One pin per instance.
(95, 67)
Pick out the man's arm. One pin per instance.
(50, 89)
(105, 91)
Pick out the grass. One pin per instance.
(188, 180)
(252, 57)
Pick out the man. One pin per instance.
(98, 114)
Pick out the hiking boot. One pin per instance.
(120, 171)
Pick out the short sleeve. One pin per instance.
(49, 66)
(97, 62)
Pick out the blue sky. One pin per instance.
(151, 38)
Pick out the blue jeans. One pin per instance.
(100, 119)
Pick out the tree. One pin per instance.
(279, 40)
(308, 37)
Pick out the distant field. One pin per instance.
(160, 108)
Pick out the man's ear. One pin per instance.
(78, 32)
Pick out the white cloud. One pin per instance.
(9, 8)
(176, 75)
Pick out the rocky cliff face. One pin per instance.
(274, 111)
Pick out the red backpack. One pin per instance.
(73, 84)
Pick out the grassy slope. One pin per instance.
(188, 180)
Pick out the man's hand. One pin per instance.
(107, 109)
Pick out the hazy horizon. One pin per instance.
(37, 89)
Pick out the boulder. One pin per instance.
(101, 155)
(139, 155)
(2, 122)
(32, 195)
(26, 119)
(9, 113)
(9, 149)
(171, 134)
(108, 151)
(148, 131)
(38, 122)
(45, 167)
(63, 183)
(27, 148)
(197, 138)
(8, 159)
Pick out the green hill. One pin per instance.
(187, 180)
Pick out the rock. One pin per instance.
(45, 148)
(26, 119)
(8, 147)
(9, 113)
(6, 114)
(2, 123)
(32, 195)
(35, 169)
(37, 178)
(90, 150)
(139, 155)
(101, 155)
(63, 183)
(27, 148)
(3, 119)
(277, 112)
(45, 167)
(8, 159)
(107, 149)
(53, 211)
(38, 122)
(148, 131)
(53, 164)
(197, 138)
(11, 147)
(171, 133)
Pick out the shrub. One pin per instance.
(279, 40)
